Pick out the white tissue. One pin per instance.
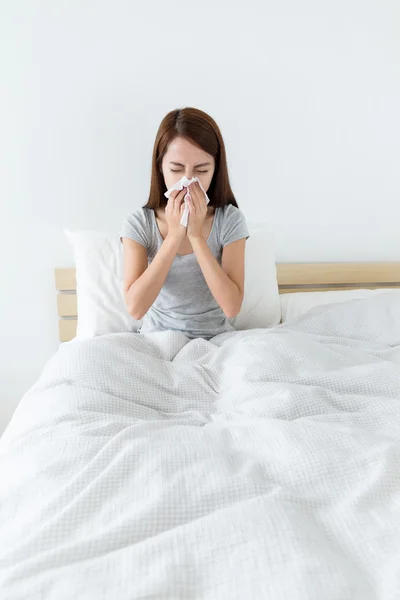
(179, 185)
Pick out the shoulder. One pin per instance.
(231, 214)
(233, 224)
(139, 217)
(137, 226)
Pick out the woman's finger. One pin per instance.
(178, 199)
(173, 194)
(201, 195)
(195, 198)
(192, 208)
(182, 197)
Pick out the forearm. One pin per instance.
(143, 292)
(225, 291)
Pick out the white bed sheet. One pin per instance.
(262, 464)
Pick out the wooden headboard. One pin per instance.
(291, 278)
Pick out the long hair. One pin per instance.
(200, 129)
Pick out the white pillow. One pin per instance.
(99, 277)
(296, 304)
(99, 284)
(261, 305)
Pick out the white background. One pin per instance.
(306, 94)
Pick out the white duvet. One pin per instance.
(264, 464)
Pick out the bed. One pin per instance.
(261, 464)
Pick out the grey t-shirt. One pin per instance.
(185, 302)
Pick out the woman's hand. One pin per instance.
(173, 214)
(197, 211)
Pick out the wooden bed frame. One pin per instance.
(315, 277)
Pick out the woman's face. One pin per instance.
(185, 159)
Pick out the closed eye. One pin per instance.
(178, 170)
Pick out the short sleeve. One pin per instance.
(234, 226)
(135, 227)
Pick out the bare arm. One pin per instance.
(226, 282)
(143, 282)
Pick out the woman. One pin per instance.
(177, 278)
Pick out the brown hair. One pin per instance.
(200, 129)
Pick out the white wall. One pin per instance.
(307, 96)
